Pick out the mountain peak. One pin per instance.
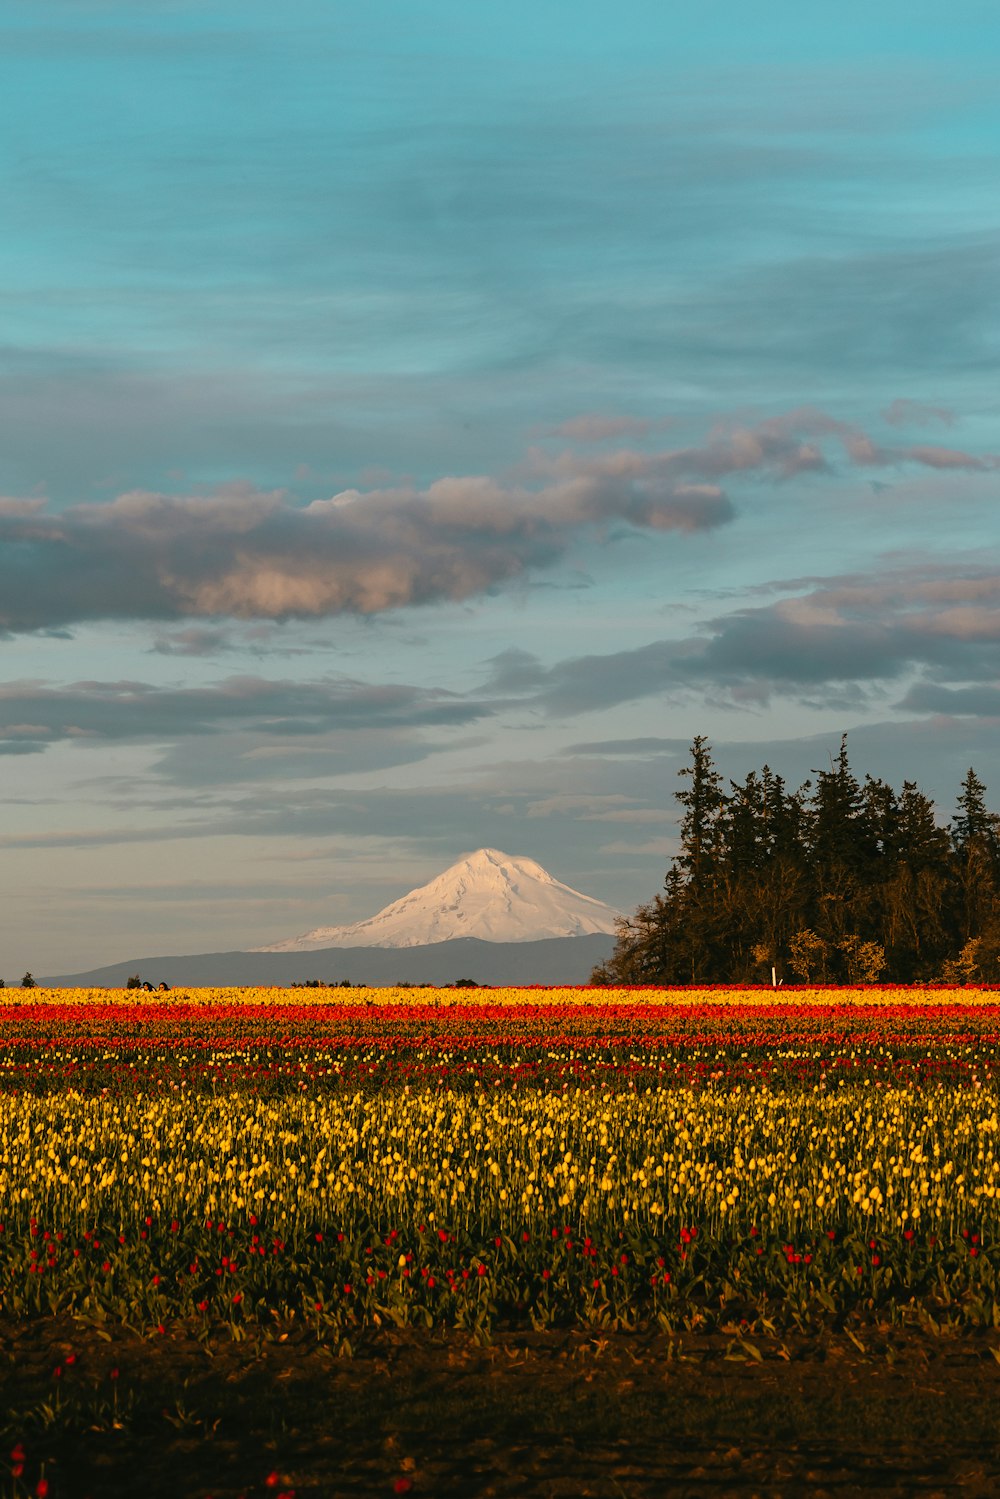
(488, 894)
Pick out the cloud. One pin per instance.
(262, 639)
(907, 413)
(246, 554)
(776, 448)
(663, 848)
(873, 312)
(834, 643)
(244, 757)
(595, 427)
(645, 745)
(514, 671)
(34, 714)
(938, 457)
(934, 750)
(434, 824)
(440, 823)
(206, 641)
(862, 451)
(588, 807)
(251, 555)
(960, 702)
(839, 642)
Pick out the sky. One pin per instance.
(419, 420)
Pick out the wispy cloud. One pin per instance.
(34, 714)
(834, 641)
(981, 701)
(596, 426)
(908, 413)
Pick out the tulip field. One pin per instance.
(737, 1161)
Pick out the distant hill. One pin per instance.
(553, 960)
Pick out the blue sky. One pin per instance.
(416, 423)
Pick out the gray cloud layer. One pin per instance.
(251, 555)
(833, 635)
(33, 715)
(833, 641)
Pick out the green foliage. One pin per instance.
(680, 1166)
(28, 982)
(839, 882)
(965, 968)
(807, 956)
(865, 961)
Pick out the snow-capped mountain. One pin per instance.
(489, 895)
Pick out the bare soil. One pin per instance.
(104, 1413)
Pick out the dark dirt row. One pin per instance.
(107, 1414)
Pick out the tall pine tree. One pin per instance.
(842, 870)
(975, 834)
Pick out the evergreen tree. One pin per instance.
(975, 834)
(696, 929)
(844, 824)
(987, 948)
(841, 834)
(839, 881)
(763, 885)
(642, 952)
(916, 890)
(703, 803)
(973, 823)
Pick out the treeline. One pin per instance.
(839, 881)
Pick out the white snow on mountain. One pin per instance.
(490, 895)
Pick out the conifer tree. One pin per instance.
(975, 834)
(693, 882)
(839, 880)
(703, 802)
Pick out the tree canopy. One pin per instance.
(838, 881)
